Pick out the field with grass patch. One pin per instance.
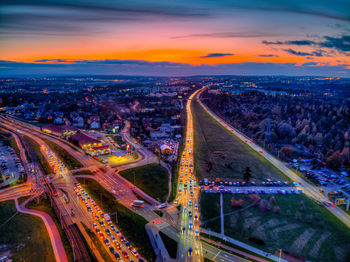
(170, 244)
(220, 154)
(44, 205)
(152, 179)
(37, 153)
(24, 237)
(83, 172)
(301, 226)
(69, 161)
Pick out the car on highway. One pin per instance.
(197, 250)
(125, 254)
(116, 255)
(107, 243)
(190, 225)
(113, 239)
(189, 252)
(136, 254)
(111, 249)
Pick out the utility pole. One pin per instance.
(267, 137)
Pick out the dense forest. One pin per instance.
(291, 126)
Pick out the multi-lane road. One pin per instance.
(123, 191)
(310, 190)
(190, 246)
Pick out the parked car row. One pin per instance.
(251, 191)
(269, 182)
(4, 166)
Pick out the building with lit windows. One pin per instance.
(90, 145)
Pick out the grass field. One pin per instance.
(24, 237)
(214, 145)
(44, 205)
(136, 234)
(36, 149)
(170, 244)
(152, 179)
(313, 233)
(22, 199)
(68, 160)
(101, 249)
(118, 139)
(84, 172)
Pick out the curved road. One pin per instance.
(54, 235)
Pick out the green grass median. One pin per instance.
(37, 153)
(68, 160)
(152, 179)
(218, 153)
(170, 244)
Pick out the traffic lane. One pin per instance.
(218, 255)
(103, 228)
(84, 159)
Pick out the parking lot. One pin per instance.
(11, 167)
(329, 180)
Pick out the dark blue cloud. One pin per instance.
(136, 67)
(268, 55)
(339, 43)
(69, 17)
(216, 55)
(317, 53)
(293, 42)
(250, 34)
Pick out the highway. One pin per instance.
(123, 191)
(190, 248)
(310, 190)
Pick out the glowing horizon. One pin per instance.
(188, 32)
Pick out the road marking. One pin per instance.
(217, 255)
(157, 221)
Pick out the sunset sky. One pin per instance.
(157, 37)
